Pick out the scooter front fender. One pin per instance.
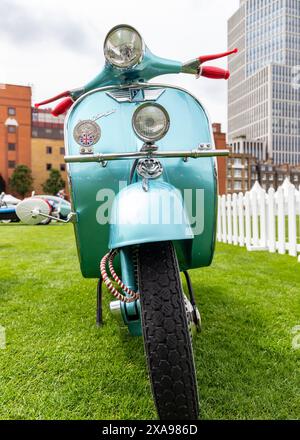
(146, 216)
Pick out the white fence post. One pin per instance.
(235, 219)
(241, 219)
(271, 221)
(263, 220)
(292, 221)
(223, 213)
(281, 220)
(254, 210)
(248, 220)
(229, 219)
(219, 224)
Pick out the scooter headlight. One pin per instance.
(123, 47)
(150, 122)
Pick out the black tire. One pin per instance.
(166, 335)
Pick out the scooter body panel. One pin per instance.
(93, 187)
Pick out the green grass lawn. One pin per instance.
(58, 365)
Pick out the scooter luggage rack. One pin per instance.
(105, 157)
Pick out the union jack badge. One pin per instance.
(87, 133)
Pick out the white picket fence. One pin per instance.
(261, 220)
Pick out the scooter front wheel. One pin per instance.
(166, 335)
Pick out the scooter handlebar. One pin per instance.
(205, 58)
(214, 72)
(194, 67)
(60, 108)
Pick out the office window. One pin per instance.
(62, 150)
(62, 167)
(11, 128)
(11, 111)
(11, 147)
(11, 164)
(48, 150)
(48, 166)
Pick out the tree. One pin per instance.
(2, 184)
(54, 183)
(21, 180)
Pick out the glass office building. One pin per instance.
(264, 87)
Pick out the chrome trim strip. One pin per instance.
(103, 157)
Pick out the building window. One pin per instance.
(237, 162)
(11, 164)
(62, 150)
(48, 130)
(11, 147)
(62, 167)
(11, 111)
(11, 128)
(48, 166)
(48, 150)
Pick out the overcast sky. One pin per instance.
(55, 45)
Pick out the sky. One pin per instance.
(56, 45)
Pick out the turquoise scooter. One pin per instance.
(143, 183)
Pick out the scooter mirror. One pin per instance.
(32, 210)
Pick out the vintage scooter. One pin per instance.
(143, 182)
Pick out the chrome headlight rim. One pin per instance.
(136, 63)
(148, 139)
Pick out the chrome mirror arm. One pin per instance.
(71, 218)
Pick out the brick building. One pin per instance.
(241, 172)
(272, 176)
(47, 146)
(220, 143)
(15, 129)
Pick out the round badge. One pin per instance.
(87, 133)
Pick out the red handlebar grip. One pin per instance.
(214, 72)
(55, 98)
(62, 107)
(205, 58)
